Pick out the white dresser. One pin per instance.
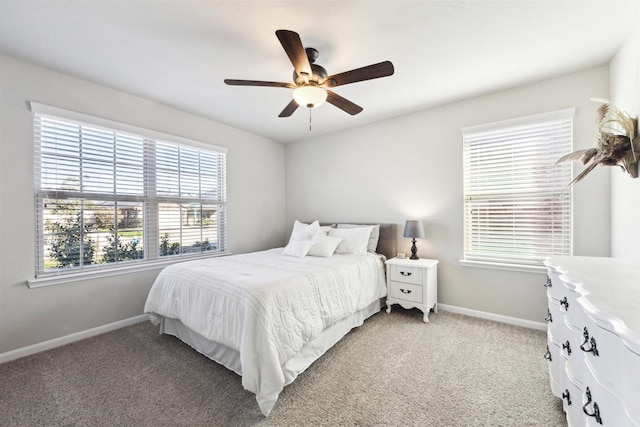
(593, 339)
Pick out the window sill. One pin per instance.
(503, 266)
(61, 278)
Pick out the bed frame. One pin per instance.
(230, 358)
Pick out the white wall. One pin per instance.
(407, 167)
(255, 189)
(411, 167)
(625, 191)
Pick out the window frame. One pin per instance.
(151, 227)
(478, 258)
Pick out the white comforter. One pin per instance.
(265, 305)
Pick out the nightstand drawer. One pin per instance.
(406, 291)
(406, 274)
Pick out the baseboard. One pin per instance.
(68, 339)
(492, 316)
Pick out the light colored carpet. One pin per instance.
(393, 370)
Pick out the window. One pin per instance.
(110, 195)
(517, 208)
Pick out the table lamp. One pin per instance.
(413, 229)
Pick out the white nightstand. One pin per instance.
(413, 283)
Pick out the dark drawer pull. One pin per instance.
(405, 291)
(405, 273)
(567, 396)
(549, 318)
(596, 410)
(548, 284)
(564, 303)
(567, 346)
(591, 341)
(547, 355)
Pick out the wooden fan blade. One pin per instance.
(289, 109)
(258, 83)
(374, 71)
(292, 44)
(343, 103)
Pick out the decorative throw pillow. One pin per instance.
(298, 248)
(372, 245)
(323, 245)
(355, 240)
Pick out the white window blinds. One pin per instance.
(517, 208)
(109, 194)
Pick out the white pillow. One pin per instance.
(372, 245)
(325, 228)
(302, 231)
(324, 245)
(355, 239)
(298, 248)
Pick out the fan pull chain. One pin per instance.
(309, 119)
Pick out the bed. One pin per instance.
(269, 315)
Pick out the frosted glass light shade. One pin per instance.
(309, 96)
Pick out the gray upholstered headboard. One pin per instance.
(387, 244)
(387, 241)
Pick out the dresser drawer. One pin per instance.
(406, 274)
(555, 286)
(556, 366)
(573, 392)
(610, 409)
(406, 291)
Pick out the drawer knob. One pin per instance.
(591, 341)
(567, 346)
(547, 355)
(596, 411)
(405, 291)
(549, 317)
(566, 395)
(564, 303)
(548, 284)
(406, 273)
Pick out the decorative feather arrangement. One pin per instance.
(618, 143)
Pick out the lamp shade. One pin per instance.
(309, 96)
(414, 229)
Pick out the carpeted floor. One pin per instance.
(393, 370)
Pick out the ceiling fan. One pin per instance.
(311, 83)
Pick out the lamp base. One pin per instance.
(414, 250)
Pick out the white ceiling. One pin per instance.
(179, 52)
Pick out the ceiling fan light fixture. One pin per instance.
(311, 83)
(310, 96)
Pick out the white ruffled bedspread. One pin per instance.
(265, 305)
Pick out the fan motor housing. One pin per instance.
(318, 73)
